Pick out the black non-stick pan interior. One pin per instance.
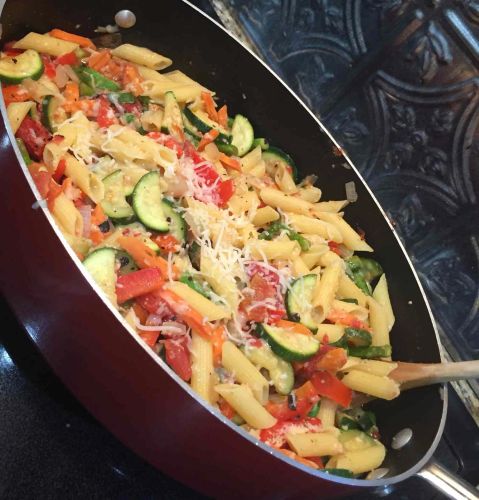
(207, 54)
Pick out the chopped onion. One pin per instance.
(351, 194)
(61, 76)
(71, 74)
(85, 212)
(378, 473)
(109, 28)
(401, 439)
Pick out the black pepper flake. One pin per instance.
(104, 227)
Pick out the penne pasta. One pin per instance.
(379, 322)
(277, 249)
(373, 366)
(88, 182)
(381, 295)
(264, 216)
(202, 368)
(277, 199)
(314, 444)
(241, 398)
(327, 333)
(244, 371)
(351, 238)
(359, 461)
(326, 288)
(329, 206)
(374, 385)
(16, 112)
(68, 215)
(348, 290)
(142, 56)
(309, 225)
(310, 193)
(205, 307)
(350, 308)
(45, 44)
(327, 413)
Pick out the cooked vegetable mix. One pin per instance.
(240, 278)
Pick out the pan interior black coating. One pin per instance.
(207, 54)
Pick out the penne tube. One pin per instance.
(264, 216)
(45, 44)
(87, 181)
(380, 387)
(276, 249)
(244, 371)
(52, 154)
(195, 300)
(379, 322)
(68, 215)
(299, 268)
(351, 238)
(284, 179)
(330, 206)
(381, 295)
(328, 258)
(312, 257)
(327, 333)
(142, 56)
(202, 367)
(179, 77)
(16, 112)
(309, 225)
(327, 412)
(314, 444)
(277, 199)
(251, 159)
(241, 398)
(223, 284)
(310, 193)
(326, 288)
(373, 366)
(348, 290)
(79, 244)
(359, 461)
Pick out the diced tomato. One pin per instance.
(69, 59)
(149, 337)
(331, 387)
(10, 51)
(334, 247)
(41, 177)
(50, 69)
(316, 460)
(178, 357)
(167, 242)
(34, 135)
(106, 115)
(275, 435)
(60, 170)
(172, 143)
(282, 411)
(327, 358)
(263, 301)
(154, 304)
(15, 93)
(138, 283)
(226, 409)
(226, 190)
(346, 319)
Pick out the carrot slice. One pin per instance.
(71, 37)
(223, 116)
(210, 105)
(132, 79)
(98, 215)
(294, 327)
(306, 391)
(208, 138)
(99, 59)
(144, 256)
(217, 342)
(229, 162)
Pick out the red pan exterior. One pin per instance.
(115, 378)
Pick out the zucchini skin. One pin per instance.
(151, 217)
(273, 154)
(294, 291)
(204, 127)
(8, 76)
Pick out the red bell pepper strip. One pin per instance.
(106, 115)
(178, 357)
(208, 138)
(275, 435)
(15, 93)
(138, 283)
(69, 59)
(34, 135)
(167, 242)
(226, 409)
(329, 386)
(41, 177)
(60, 170)
(50, 69)
(282, 411)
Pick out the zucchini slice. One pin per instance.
(101, 266)
(172, 122)
(126, 263)
(242, 134)
(203, 123)
(15, 69)
(176, 224)
(273, 157)
(147, 202)
(194, 253)
(288, 345)
(114, 203)
(298, 302)
(49, 106)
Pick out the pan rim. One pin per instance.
(361, 483)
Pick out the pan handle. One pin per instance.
(448, 483)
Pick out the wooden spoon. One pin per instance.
(410, 375)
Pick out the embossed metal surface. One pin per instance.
(397, 83)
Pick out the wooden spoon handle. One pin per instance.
(410, 375)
